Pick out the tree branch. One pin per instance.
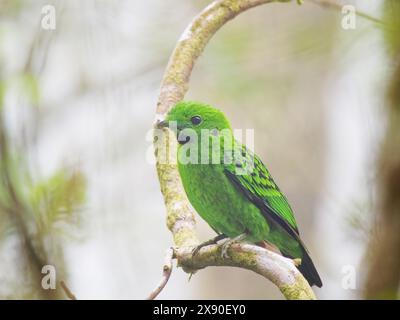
(180, 218)
(279, 270)
(67, 291)
(338, 6)
(167, 270)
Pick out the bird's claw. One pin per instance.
(228, 243)
(225, 247)
(197, 249)
(207, 243)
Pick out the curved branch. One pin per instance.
(67, 291)
(279, 270)
(167, 270)
(180, 218)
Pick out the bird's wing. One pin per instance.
(251, 177)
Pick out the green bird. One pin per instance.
(231, 188)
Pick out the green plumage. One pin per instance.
(235, 194)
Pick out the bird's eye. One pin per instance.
(196, 120)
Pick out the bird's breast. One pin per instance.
(215, 199)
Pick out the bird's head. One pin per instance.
(196, 116)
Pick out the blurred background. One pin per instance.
(78, 192)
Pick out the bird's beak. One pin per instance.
(162, 124)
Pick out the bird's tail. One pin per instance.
(306, 267)
(309, 271)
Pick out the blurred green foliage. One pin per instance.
(56, 199)
(37, 213)
(29, 85)
(391, 15)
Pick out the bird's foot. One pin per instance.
(209, 242)
(229, 242)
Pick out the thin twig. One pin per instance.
(167, 270)
(337, 6)
(67, 291)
